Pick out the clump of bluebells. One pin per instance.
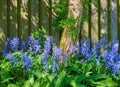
(34, 45)
(13, 45)
(27, 53)
(87, 51)
(50, 58)
(26, 62)
(112, 58)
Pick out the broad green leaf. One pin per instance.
(39, 74)
(79, 78)
(97, 76)
(74, 68)
(29, 82)
(75, 81)
(36, 84)
(88, 73)
(106, 83)
(7, 79)
(51, 77)
(115, 77)
(89, 66)
(60, 81)
(12, 85)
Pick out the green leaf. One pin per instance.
(7, 79)
(61, 79)
(36, 84)
(97, 76)
(115, 77)
(73, 68)
(74, 81)
(106, 83)
(39, 74)
(89, 66)
(12, 85)
(29, 82)
(51, 77)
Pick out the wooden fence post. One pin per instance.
(99, 19)
(8, 18)
(118, 23)
(40, 13)
(29, 17)
(50, 17)
(109, 19)
(19, 18)
(89, 20)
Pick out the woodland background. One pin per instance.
(21, 17)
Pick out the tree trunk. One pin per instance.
(74, 11)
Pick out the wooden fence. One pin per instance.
(21, 17)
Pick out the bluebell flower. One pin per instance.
(30, 40)
(72, 49)
(65, 58)
(11, 58)
(102, 41)
(6, 47)
(115, 68)
(87, 46)
(34, 45)
(82, 42)
(14, 43)
(47, 45)
(26, 62)
(80, 46)
(37, 48)
(115, 47)
(109, 58)
(109, 45)
(45, 66)
(4, 51)
(117, 57)
(44, 58)
(47, 48)
(96, 49)
(54, 66)
(88, 43)
(88, 56)
(84, 49)
(23, 45)
(57, 52)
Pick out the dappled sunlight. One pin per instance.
(59, 43)
(2, 39)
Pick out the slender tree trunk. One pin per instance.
(75, 11)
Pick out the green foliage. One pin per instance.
(61, 79)
(40, 79)
(61, 19)
(12, 75)
(70, 24)
(40, 33)
(61, 11)
(73, 72)
(76, 74)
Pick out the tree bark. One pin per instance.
(75, 11)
